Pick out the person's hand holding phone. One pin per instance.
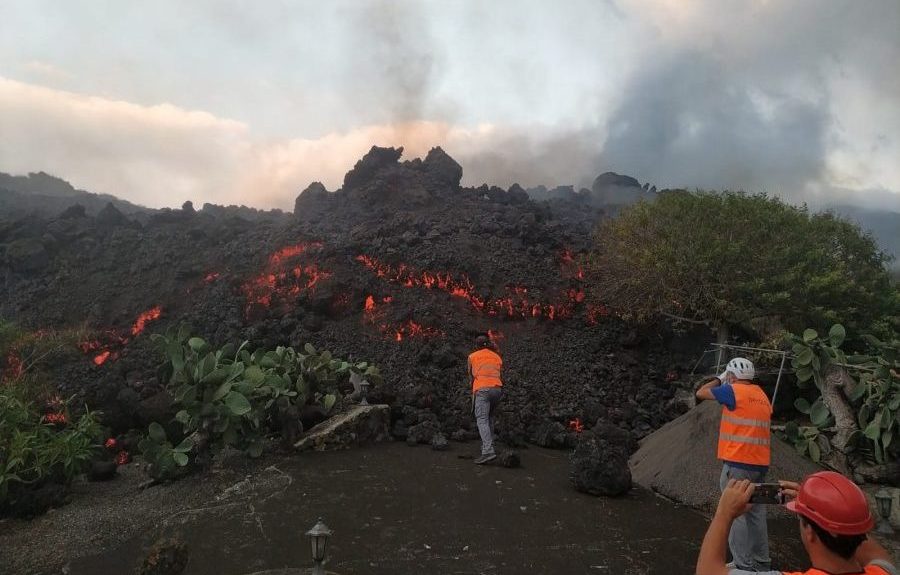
(790, 489)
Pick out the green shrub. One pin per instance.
(227, 397)
(874, 397)
(35, 452)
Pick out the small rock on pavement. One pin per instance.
(509, 459)
(439, 442)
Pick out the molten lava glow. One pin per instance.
(569, 263)
(576, 425)
(289, 252)
(595, 312)
(411, 329)
(141, 322)
(279, 281)
(211, 277)
(107, 348)
(122, 457)
(101, 358)
(405, 330)
(58, 418)
(110, 443)
(517, 304)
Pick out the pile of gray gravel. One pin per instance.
(679, 461)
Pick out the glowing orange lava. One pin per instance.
(517, 304)
(576, 425)
(279, 281)
(141, 322)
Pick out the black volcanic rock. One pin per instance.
(442, 167)
(600, 461)
(27, 255)
(73, 212)
(608, 179)
(311, 201)
(110, 216)
(375, 160)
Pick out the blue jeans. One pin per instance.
(749, 535)
(485, 402)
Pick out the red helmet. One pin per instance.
(834, 503)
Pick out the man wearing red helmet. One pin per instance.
(834, 520)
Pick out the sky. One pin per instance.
(240, 102)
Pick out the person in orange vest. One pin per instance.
(834, 520)
(485, 365)
(744, 448)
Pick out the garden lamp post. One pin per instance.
(883, 500)
(364, 392)
(318, 538)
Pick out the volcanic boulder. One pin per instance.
(375, 160)
(600, 461)
(443, 168)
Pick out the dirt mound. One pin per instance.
(679, 459)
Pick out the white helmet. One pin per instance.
(741, 368)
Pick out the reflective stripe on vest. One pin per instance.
(741, 439)
(744, 435)
(485, 367)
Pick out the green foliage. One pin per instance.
(804, 439)
(730, 258)
(875, 395)
(165, 461)
(33, 451)
(226, 397)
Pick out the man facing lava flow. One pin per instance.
(484, 376)
(744, 449)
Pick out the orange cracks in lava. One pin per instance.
(576, 425)
(108, 346)
(280, 280)
(397, 332)
(516, 304)
(411, 329)
(141, 322)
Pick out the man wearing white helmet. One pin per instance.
(744, 448)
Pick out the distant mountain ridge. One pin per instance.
(47, 195)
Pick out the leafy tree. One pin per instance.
(728, 259)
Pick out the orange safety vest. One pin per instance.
(484, 367)
(744, 435)
(869, 570)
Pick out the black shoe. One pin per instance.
(485, 458)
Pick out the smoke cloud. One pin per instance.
(215, 101)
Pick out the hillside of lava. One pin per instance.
(401, 266)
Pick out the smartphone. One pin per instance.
(767, 494)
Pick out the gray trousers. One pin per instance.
(485, 403)
(748, 539)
